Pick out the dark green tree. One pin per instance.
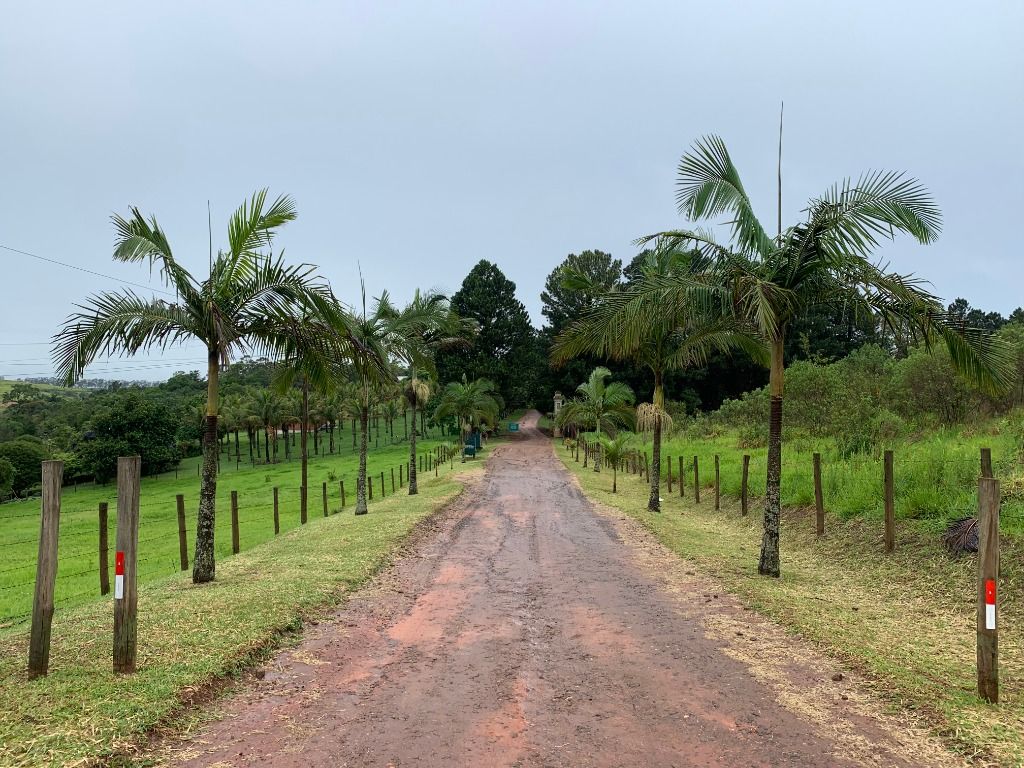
(26, 455)
(132, 425)
(505, 349)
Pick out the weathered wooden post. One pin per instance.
(670, 474)
(986, 462)
(369, 487)
(393, 480)
(718, 485)
(182, 533)
(326, 510)
(382, 494)
(682, 479)
(104, 551)
(125, 564)
(696, 481)
(234, 522)
(819, 503)
(46, 569)
(277, 514)
(988, 577)
(743, 484)
(342, 494)
(401, 475)
(890, 505)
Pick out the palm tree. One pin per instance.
(269, 414)
(424, 325)
(599, 405)
(470, 403)
(821, 261)
(238, 307)
(633, 324)
(614, 450)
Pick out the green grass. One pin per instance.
(907, 620)
(189, 637)
(78, 569)
(936, 476)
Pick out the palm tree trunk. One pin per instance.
(769, 564)
(331, 446)
(303, 509)
(266, 443)
(654, 500)
(364, 424)
(413, 490)
(203, 565)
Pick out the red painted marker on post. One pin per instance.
(119, 576)
(990, 604)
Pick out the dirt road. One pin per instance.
(529, 629)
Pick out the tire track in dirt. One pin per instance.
(529, 629)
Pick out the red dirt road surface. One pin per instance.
(524, 627)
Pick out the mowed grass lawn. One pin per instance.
(78, 569)
(191, 636)
(906, 619)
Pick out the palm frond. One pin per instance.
(708, 185)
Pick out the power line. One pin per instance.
(87, 271)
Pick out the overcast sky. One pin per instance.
(418, 138)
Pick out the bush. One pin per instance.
(26, 455)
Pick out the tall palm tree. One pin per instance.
(599, 405)
(269, 413)
(823, 260)
(238, 307)
(633, 324)
(470, 403)
(425, 325)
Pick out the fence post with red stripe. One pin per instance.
(125, 563)
(988, 576)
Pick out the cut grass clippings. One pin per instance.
(190, 636)
(906, 620)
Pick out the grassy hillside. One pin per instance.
(78, 570)
(190, 636)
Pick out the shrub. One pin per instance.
(26, 455)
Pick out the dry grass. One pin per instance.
(906, 620)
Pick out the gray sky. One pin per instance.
(418, 138)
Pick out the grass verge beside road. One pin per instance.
(906, 620)
(188, 636)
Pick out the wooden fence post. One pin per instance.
(125, 564)
(46, 569)
(303, 508)
(234, 522)
(277, 514)
(401, 475)
(986, 462)
(342, 494)
(670, 474)
(369, 487)
(104, 551)
(326, 510)
(682, 478)
(890, 506)
(988, 576)
(718, 485)
(696, 481)
(743, 484)
(182, 533)
(393, 479)
(382, 494)
(819, 504)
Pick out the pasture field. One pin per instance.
(906, 620)
(78, 569)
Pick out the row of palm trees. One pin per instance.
(265, 414)
(697, 294)
(252, 302)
